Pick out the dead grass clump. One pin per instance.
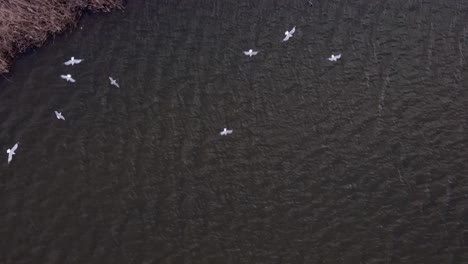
(28, 23)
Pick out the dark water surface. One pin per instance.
(359, 161)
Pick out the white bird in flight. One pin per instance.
(68, 78)
(334, 57)
(11, 152)
(289, 33)
(73, 61)
(59, 115)
(225, 132)
(250, 53)
(114, 82)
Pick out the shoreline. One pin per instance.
(25, 25)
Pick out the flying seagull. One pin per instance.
(250, 53)
(68, 78)
(59, 115)
(114, 82)
(225, 132)
(289, 34)
(72, 61)
(334, 57)
(11, 152)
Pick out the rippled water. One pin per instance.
(359, 161)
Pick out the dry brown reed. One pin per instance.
(27, 24)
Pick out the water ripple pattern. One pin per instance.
(362, 160)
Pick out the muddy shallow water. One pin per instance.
(358, 161)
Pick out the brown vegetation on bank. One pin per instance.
(28, 23)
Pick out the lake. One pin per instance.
(360, 161)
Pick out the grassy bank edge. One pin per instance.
(28, 24)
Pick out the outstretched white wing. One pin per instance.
(293, 30)
(71, 79)
(14, 147)
(338, 56)
(254, 53)
(247, 53)
(70, 62)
